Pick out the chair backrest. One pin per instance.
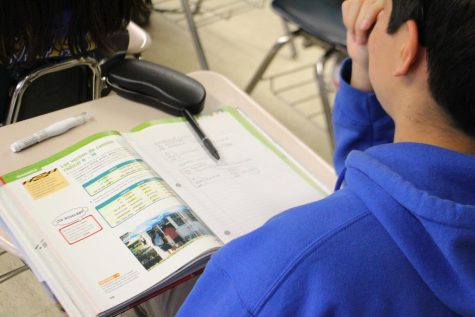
(320, 18)
(60, 84)
(53, 87)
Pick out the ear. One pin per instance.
(409, 48)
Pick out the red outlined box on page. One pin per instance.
(80, 230)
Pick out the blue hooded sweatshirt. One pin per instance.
(398, 239)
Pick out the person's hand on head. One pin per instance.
(359, 17)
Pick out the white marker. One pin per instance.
(53, 130)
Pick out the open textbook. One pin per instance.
(118, 216)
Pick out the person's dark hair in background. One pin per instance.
(448, 56)
(30, 29)
(34, 33)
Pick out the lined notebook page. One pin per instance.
(253, 181)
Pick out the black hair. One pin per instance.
(33, 26)
(447, 31)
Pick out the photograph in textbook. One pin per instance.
(160, 237)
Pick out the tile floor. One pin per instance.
(235, 35)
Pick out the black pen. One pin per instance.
(203, 138)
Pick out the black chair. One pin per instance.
(57, 83)
(74, 81)
(54, 86)
(320, 22)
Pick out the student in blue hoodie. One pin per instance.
(398, 237)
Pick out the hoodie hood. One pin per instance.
(424, 197)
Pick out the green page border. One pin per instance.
(35, 167)
(151, 123)
(265, 140)
(12, 176)
(249, 127)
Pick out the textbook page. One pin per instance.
(100, 224)
(253, 181)
(34, 253)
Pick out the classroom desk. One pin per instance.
(114, 112)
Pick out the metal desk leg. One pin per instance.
(194, 34)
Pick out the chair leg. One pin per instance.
(12, 273)
(293, 49)
(319, 74)
(283, 40)
(194, 34)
